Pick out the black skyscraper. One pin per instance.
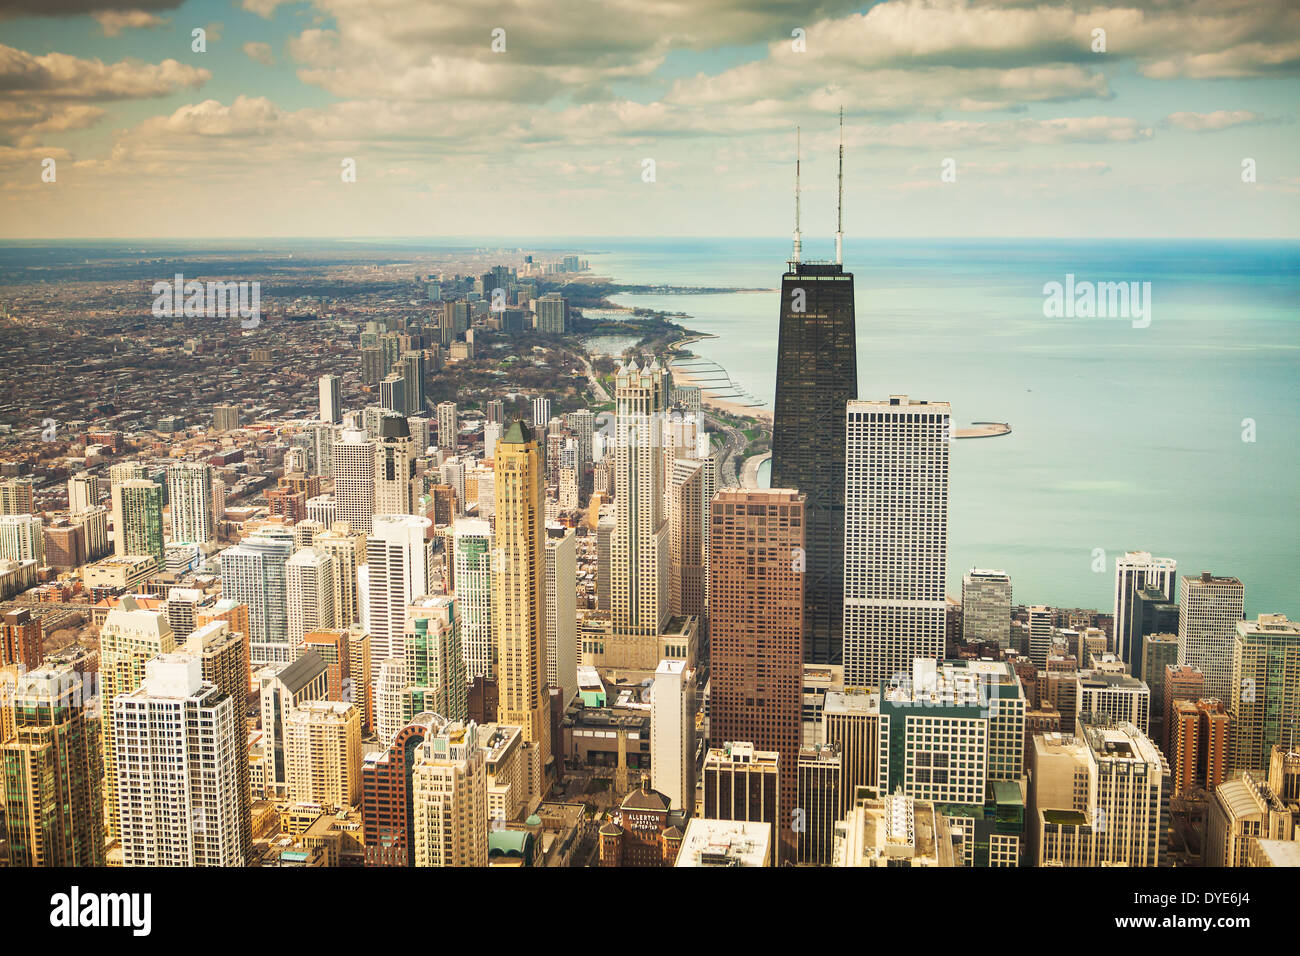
(816, 376)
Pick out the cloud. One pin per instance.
(113, 22)
(74, 8)
(1219, 119)
(259, 53)
(62, 76)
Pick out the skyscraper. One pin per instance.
(757, 629)
(310, 580)
(347, 548)
(83, 492)
(53, 772)
(130, 638)
(1208, 612)
(639, 544)
(449, 818)
(895, 537)
(331, 399)
(518, 603)
(472, 572)
(434, 664)
(223, 658)
(22, 538)
(816, 377)
(687, 514)
(322, 753)
(1265, 699)
(986, 607)
(397, 489)
(672, 734)
(561, 611)
(189, 495)
(138, 525)
(354, 479)
(178, 743)
(17, 497)
(253, 573)
(448, 426)
(399, 562)
(1133, 572)
(541, 414)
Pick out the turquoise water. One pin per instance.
(1122, 438)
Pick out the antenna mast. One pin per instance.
(798, 240)
(839, 210)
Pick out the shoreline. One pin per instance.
(709, 399)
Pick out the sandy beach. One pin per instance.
(709, 398)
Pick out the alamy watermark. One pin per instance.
(1084, 299)
(211, 300)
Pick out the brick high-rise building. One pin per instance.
(386, 808)
(20, 639)
(757, 579)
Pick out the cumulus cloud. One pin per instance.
(62, 76)
(1219, 119)
(259, 53)
(113, 22)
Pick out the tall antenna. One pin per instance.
(839, 211)
(798, 240)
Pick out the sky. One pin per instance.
(648, 118)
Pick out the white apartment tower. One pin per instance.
(311, 579)
(895, 536)
(472, 572)
(399, 569)
(189, 496)
(672, 734)
(178, 744)
(331, 399)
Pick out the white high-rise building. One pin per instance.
(1137, 569)
(399, 569)
(83, 492)
(452, 473)
(354, 479)
(560, 615)
(1041, 618)
(22, 538)
(189, 496)
(178, 745)
(1208, 612)
(448, 426)
(672, 734)
(895, 536)
(639, 544)
(331, 399)
(311, 579)
(472, 572)
(986, 607)
(390, 698)
(397, 488)
(491, 435)
(541, 413)
(253, 573)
